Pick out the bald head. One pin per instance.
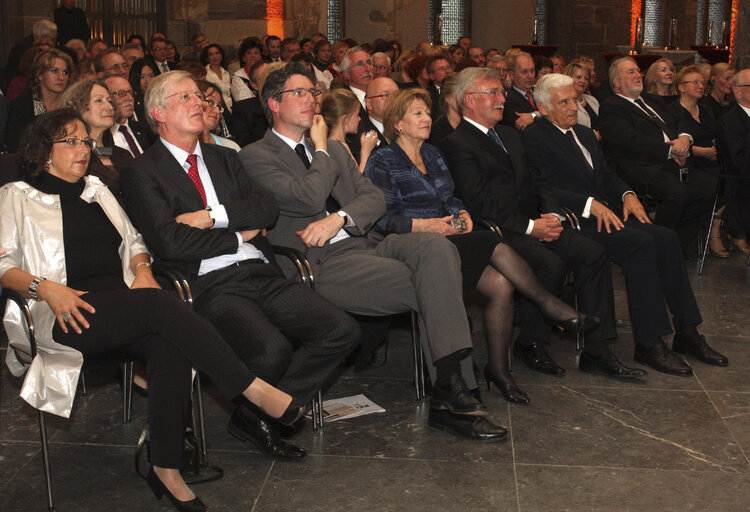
(379, 93)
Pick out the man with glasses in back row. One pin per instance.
(201, 214)
(378, 93)
(126, 133)
(110, 62)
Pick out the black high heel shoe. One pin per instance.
(509, 390)
(581, 323)
(156, 485)
(293, 412)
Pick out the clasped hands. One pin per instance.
(680, 149)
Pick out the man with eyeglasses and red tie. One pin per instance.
(202, 214)
(327, 211)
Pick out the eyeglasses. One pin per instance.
(384, 95)
(361, 64)
(75, 142)
(492, 92)
(742, 85)
(441, 68)
(301, 92)
(122, 94)
(186, 96)
(213, 104)
(380, 67)
(124, 67)
(694, 82)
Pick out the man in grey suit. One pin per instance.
(202, 215)
(327, 209)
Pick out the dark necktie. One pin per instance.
(652, 114)
(578, 149)
(496, 139)
(193, 173)
(531, 99)
(331, 204)
(129, 139)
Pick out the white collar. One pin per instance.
(290, 142)
(377, 125)
(360, 94)
(480, 126)
(180, 154)
(746, 109)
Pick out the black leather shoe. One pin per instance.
(697, 346)
(509, 390)
(581, 323)
(159, 490)
(537, 358)
(660, 358)
(476, 428)
(609, 365)
(247, 426)
(456, 398)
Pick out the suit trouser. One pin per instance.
(156, 327)
(419, 271)
(651, 260)
(551, 262)
(262, 316)
(684, 207)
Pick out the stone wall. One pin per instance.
(500, 24)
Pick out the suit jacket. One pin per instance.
(435, 111)
(634, 142)
(156, 189)
(155, 67)
(20, 114)
(515, 103)
(553, 155)
(302, 193)
(733, 145)
(249, 113)
(494, 185)
(143, 135)
(365, 125)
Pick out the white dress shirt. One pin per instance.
(245, 251)
(119, 139)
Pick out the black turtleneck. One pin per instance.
(92, 262)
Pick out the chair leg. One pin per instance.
(317, 410)
(418, 357)
(82, 380)
(708, 236)
(201, 418)
(45, 459)
(580, 340)
(127, 391)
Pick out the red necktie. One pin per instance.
(193, 173)
(531, 99)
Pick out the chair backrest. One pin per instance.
(8, 168)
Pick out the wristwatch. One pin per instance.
(343, 215)
(534, 115)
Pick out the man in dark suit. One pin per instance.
(358, 71)
(126, 133)
(569, 156)
(520, 108)
(327, 211)
(438, 67)
(378, 93)
(733, 145)
(201, 214)
(647, 147)
(71, 22)
(157, 55)
(492, 177)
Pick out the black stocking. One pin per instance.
(511, 265)
(498, 320)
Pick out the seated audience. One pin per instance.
(122, 310)
(200, 42)
(340, 110)
(733, 143)
(223, 252)
(140, 76)
(493, 179)
(84, 70)
(95, 46)
(250, 123)
(500, 63)
(322, 55)
(79, 47)
(588, 106)
(379, 93)
(476, 54)
(456, 53)
(20, 82)
(213, 108)
(91, 100)
(660, 80)
(109, 62)
(214, 59)
(273, 49)
(157, 55)
(437, 68)
(338, 50)
(446, 123)
(720, 96)
(400, 76)
(327, 211)
(289, 48)
(558, 63)
(568, 155)
(131, 52)
(416, 71)
(50, 76)
(381, 65)
(419, 197)
(542, 66)
(520, 109)
(650, 148)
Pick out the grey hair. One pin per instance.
(381, 55)
(736, 77)
(612, 72)
(43, 28)
(156, 94)
(543, 88)
(345, 61)
(466, 79)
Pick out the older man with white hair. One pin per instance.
(569, 156)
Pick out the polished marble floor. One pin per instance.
(586, 443)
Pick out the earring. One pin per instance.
(49, 162)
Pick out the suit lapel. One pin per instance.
(213, 163)
(638, 110)
(174, 173)
(286, 154)
(563, 142)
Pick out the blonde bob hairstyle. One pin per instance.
(397, 107)
(651, 76)
(337, 104)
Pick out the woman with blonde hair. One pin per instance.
(719, 95)
(660, 79)
(340, 111)
(588, 106)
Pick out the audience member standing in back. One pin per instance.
(71, 22)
